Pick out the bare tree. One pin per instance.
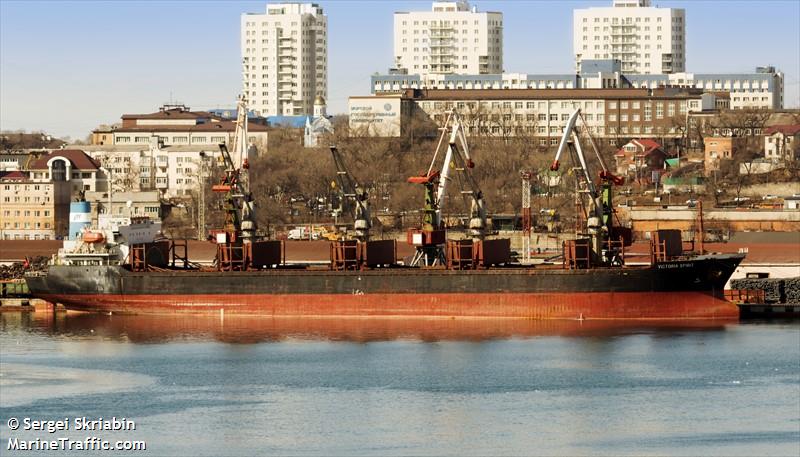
(746, 124)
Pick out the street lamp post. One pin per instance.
(201, 206)
(110, 184)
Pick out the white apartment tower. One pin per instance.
(646, 39)
(285, 58)
(451, 38)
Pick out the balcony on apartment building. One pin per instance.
(442, 50)
(619, 30)
(440, 26)
(439, 60)
(441, 68)
(441, 43)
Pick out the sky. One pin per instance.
(68, 66)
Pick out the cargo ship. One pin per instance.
(124, 267)
(680, 289)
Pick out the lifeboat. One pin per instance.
(93, 237)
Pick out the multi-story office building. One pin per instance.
(285, 58)
(30, 209)
(34, 203)
(646, 39)
(167, 151)
(451, 38)
(610, 114)
(176, 125)
(762, 89)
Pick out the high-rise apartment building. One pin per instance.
(451, 38)
(285, 58)
(646, 39)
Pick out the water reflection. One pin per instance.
(256, 329)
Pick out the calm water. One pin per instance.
(243, 386)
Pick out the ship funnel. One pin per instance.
(80, 217)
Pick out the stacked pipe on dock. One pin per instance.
(18, 269)
(792, 288)
(775, 290)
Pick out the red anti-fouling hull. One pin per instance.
(586, 305)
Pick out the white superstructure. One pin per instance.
(451, 38)
(285, 58)
(647, 39)
(110, 242)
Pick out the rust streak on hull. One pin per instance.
(583, 305)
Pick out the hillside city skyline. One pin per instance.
(109, 62)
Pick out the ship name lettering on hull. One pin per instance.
(665, 266)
